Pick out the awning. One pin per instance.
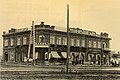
(54, 54)
(74, 53)
(64, 54)
(46, 55)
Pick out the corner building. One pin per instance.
(50, 43)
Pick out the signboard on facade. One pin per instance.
(41, 44)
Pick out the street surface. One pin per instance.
(53, 72)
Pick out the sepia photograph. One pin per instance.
(59, 39)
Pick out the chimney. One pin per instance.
(52, 27)
(4, 32)
(101, 33)
(9, 31)
(77, 28)
(42, 24)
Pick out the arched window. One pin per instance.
(104, 45)
(41, 38)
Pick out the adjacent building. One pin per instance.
(50, 43)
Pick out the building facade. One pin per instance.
(85, 46)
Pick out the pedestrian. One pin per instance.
(82, 58)
(73, 59)
(94, 60)
(91, 60)
(98, 60)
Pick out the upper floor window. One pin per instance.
(83, 42)
(77, 42)
(11, 42)
(104, 45)
(24, 40)
(18, 41)
(41, 38)
(59, 40)
(90, 43)
(64, 41)
(94, 44)
(6, 42)
(72, 42)
(99, 44)
(107, 44)
(52, 39)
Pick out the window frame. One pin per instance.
(64, 41)
(24, 40)
(52, 39)
(59, 40)
(18, 41)
(40, 40)
(72, 42)
(6, 42)
(11, 42)
(77, 42)
(82, 42)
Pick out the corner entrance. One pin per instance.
(41, 54)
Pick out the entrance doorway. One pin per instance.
(41, 54)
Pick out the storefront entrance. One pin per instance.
(40, 54)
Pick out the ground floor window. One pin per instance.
(6, 57)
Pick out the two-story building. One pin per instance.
(50, 43)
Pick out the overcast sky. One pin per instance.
(95, 15)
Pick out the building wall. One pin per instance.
(87, 44)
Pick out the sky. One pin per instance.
(95, 15)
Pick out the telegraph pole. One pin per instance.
(33, 38)
(68, 38)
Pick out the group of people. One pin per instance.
(94, 60)
(79, 59)
(98, 61)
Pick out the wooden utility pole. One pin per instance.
(33, 27)
(30, 42)
(68, 40)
